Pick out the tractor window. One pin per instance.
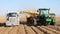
(44, 11)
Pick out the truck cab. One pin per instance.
(12, 19)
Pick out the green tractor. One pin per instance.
(45, 17)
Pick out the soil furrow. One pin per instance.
(50, 29)
(37, 30)
(7, 30)
(3, 30)
(54, 27)
(14, 30)
(29, 30)
(21, 29)
(45, 30)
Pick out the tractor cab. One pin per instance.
(44, 12)
(12, 19)
(45, 17)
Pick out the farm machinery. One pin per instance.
(40, 17)
(30, 14)
(45, 17)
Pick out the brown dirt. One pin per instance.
(24, 29)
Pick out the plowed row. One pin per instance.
(24, 29)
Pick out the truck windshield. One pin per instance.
(12, 15)
(44, 11)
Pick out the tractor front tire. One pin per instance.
(52, 23)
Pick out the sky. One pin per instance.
(16, 5)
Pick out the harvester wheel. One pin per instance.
(35, 22)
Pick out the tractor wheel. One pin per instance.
(52, 23)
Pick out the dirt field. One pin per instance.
(24, 29)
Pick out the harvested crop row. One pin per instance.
(37, 30)
(21, 29)
(29, 30)
(45, 30)
(54, 27)
(3, 29)
(52, 30)
(7, 30)
(14, 30)
(24, 29)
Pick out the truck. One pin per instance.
(12, 19)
